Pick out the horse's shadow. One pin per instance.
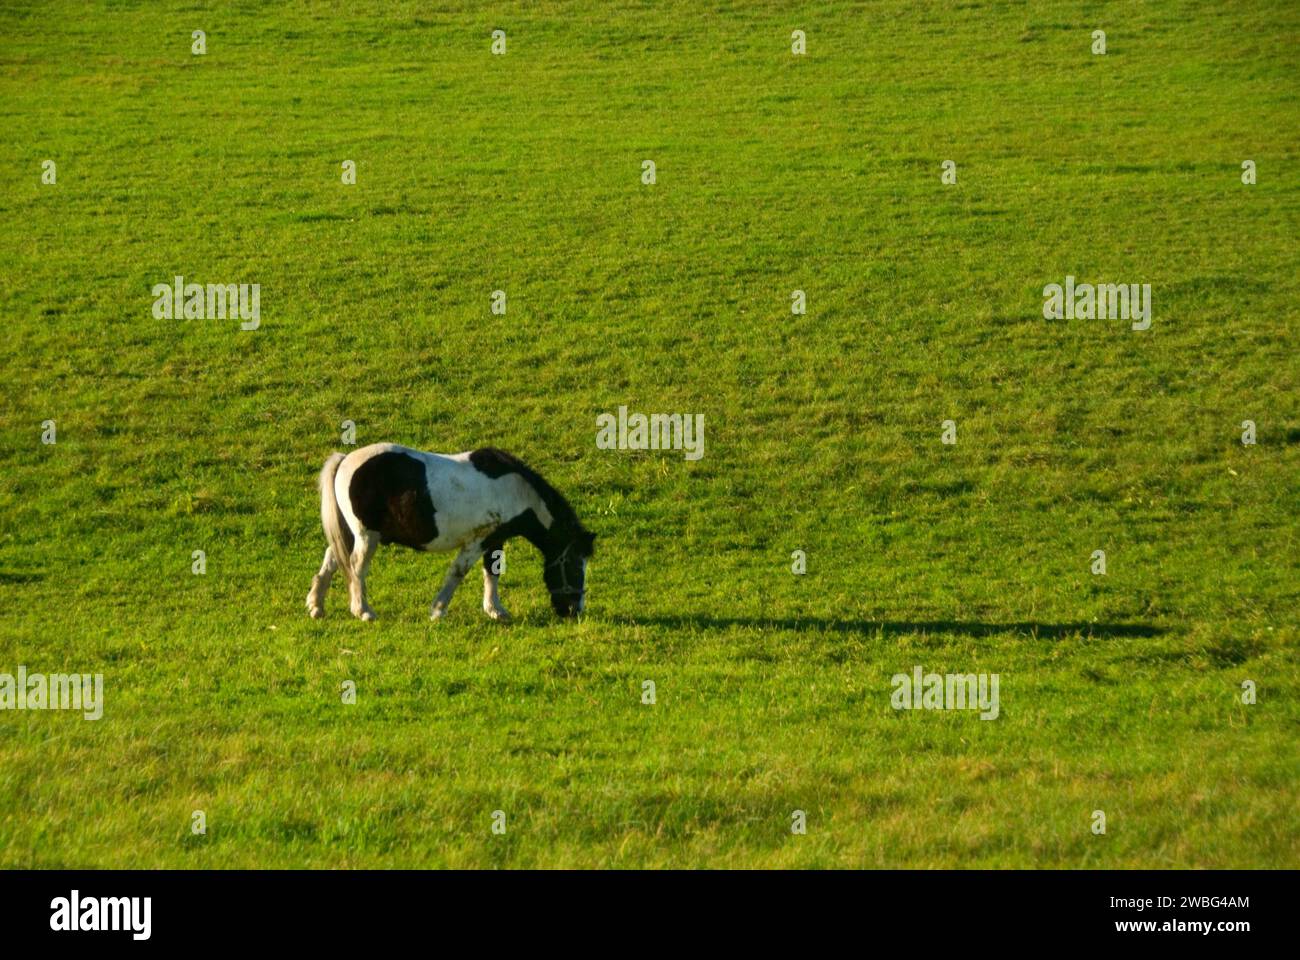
(966, 628)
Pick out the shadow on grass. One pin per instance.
(965, 628)
(8, 577)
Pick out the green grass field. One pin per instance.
(774, 172)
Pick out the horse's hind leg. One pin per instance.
(367, 541)
(320, 585)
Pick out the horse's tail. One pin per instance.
(331, 518)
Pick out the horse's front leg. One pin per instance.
(459, 567)
(493, 564)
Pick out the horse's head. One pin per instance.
(566, 570)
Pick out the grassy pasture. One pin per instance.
(774, 172)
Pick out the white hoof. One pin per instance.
(438, 612)
(499, 614)
(315, 612)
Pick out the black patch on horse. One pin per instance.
(524, 525)
(390, 495)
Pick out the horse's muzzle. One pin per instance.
(566, 605)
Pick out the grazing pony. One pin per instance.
(472, 502)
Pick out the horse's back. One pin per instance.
(428, 501)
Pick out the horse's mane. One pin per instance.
(496, 463)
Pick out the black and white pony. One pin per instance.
(471, 502)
